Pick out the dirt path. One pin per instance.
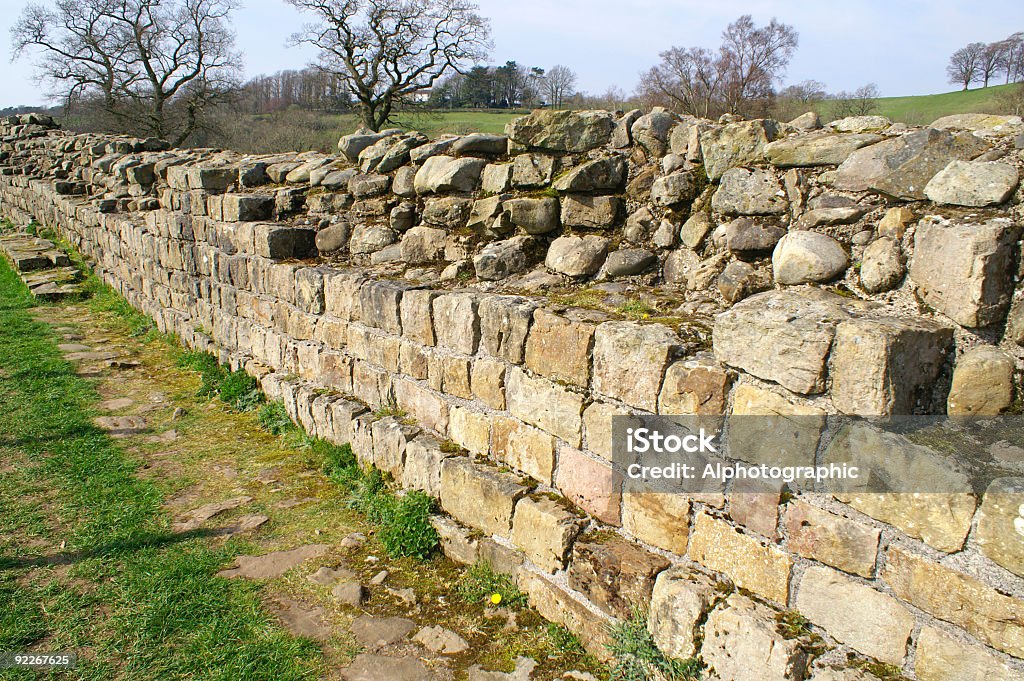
(287, 529)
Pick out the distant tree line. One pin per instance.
(509, 86)
(311, 89)
(985, 62)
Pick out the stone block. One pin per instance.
(695, 386)
(470, 430)
(456, 322)
(982, 383)
(556, 604)
(379, 305)
(956, 598)
(630, 361)
(590, 484)
(282, 243)
(430, 410)
(868, 621)
(616, 575)
(887, 366)
(247, 207)
(523, 447)
(544, 404)
(789, 436)
(417, 315)
(390, 437)
(941, 657)
(749, 563)
(831, 539)
(1000, 533)
(504, 324)
(754, 504)
(559, 347)
(597, 421)
(423, 461)
(680, 602)
(487, 380)
(545, 530)
(661, 520)
(479, 495)
(458, 542)
(742, 643)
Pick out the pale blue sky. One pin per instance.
(900, 45)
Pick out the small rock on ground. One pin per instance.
(121, 426)
(440, 640)
(197, 516)
(524, 667)
(302, 619)
(273, 564)
(350, 593)
(379, 668)
(326, 576)
(377, 632)
(116, 404)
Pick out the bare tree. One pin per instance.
(739, 76)
(389, 50)
(991, 61)
(860, 102)
(1013, 57)
(153, 66)
(561, 85)
(754, 57)
(963, 67)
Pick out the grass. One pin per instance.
(236, 388)
(482, 583)
(923, 109)
(637, 658)
(87, 559)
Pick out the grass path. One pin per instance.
(94, 560)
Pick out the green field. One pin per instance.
(924, 109)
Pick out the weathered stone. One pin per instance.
(680, 602)
(807, 257)
(590, 212)
(744, 237)
(749, 192)
(456, 323)
(940, 657)
(859, 124)
(866, 620)
(661, 520)
(839, 215)
(352, 145)
(577, 256)
(573, 131)
(470, 429)
(816, 150)
(781, 336)
(696, 227)
(440, 640)
(887, 365)
(695, 386)
(423, 461)
(630, 361)
(487, 378)
(603, 174)
(248, 207)
(501, 259)
(371, 238)
(956, 598)
(834, 540)
(672, 190)
(902, 166)
(806, 121)
(982, 383)
(973, 183)
(754, 504)
(481, 143)
(559, 347)
(504, 323)
(446, 174)
(402, 216)
(735, 144)
(1015, 322)
(272, 565)
(524, 448)
(1001, 524)
(742, 643)
(450, 212)
(281, 243)
(622, 136)
(366, 186)
(544, 529)
(534, 215)
(739, 280)
(938, 518)
(615, 574)
(556, 604)
(423, 244)
(894, 223)
(333, 238)
(882, 267)
(590, 484)
(628, 261)
(651, 131)
(479, 495)
(544, 404)
(764, 570)
(964, 270)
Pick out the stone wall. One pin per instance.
(471, 312)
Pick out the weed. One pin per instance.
(236, 388)
(481, 582)
(273, 418)
(564, 640)
(390, 408)
(636, 309)
(637, 658)
(792, 624)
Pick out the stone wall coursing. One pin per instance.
(525, 386)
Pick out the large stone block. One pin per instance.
(887, 366)
(281, 243)
(590, 212)
(695, 386)
(417, 319)
(545, 529)
(379, 304)
(868, 621)
(941, 657)
(559, 347)
(470, 430)
(573, 131)
(1000, 533)
(456, 322)
(557, 604)
(965, 270)
(390, 437)
(680, 603)
(427, 408)
(790, 437)
(762, 569)
(750, 192)
(423, 461)
(487, 381)
(982, 383)
(592, 485)
(957, 598)
(504, 324)
(617, 575)
(781, 336)
(630, 361)
(479, 495)
(523, 447)
(742, 643)
(735, 144)
(544, 404)
(661, 520)
(832, 539)
(816, 150)
(446, 174)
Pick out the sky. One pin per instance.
(901, 45)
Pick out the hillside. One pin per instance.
(924, 109)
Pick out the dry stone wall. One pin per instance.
(470, 313)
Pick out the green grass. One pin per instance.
(924, 109)
(237, 388)
(138, 601)
(637, 658)
(481, 582)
